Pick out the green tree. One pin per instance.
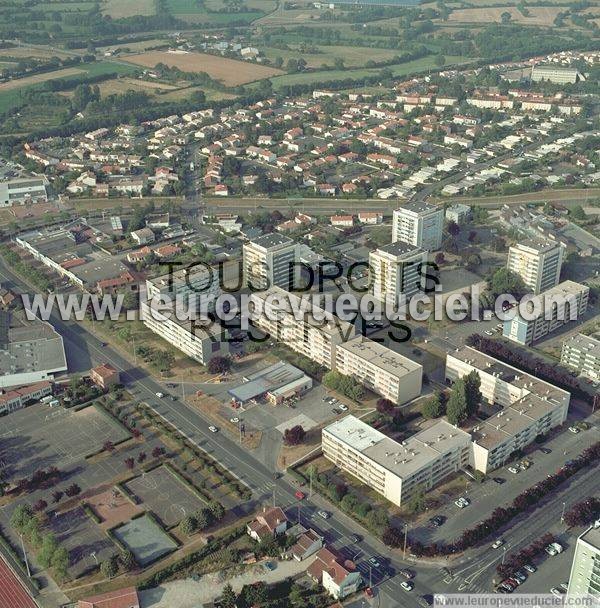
(49, 546)
(417, 503)
(127, 559)
(472, 383)
(217, 510)
(188, 526)
(228, 597)
(433, 408)
(505, 17)
(505, 281)
(109, 567)
(20, 517)
(456, 408)
(60, 561)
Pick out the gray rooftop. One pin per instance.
(592, 537)
(589, 345)
(275, 239)
(539, 244)
(271, 378)
(420, 208)
(400, 249)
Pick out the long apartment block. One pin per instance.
(521, 406)
(582, 353)
(201, 281)
(380, 369)
(554, 307)
(394, 469)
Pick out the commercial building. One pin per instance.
(582, 353)
(394, 469)
(537, 262)
(299, 324)
(558, 75)
(520, 406)
(275, 383)
(380, 369)
(585, 571)
(30, 351)
(269, 261)
(419, 224)
(20, 397)
(547, 312)
(198, 341)
(396, 269)
(23, 190)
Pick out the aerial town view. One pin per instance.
(299, 303)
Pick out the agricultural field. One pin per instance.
(229, 71)
(120, 85)
(135, 47)
(32, 52)
(20, 83)
(118, 9)
(538, 15)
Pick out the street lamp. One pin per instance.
(562, 515)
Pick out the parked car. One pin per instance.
(557, 591)
(407, 585)
(269, 566)
(299, 495)
(530, 568)
(513, 470)
(497, 543)
(564, 586)
(554, 549)
(406, 573)
(355, 538)
(235, 420)
(437, 520)
(574, 429)
(343, 407)
(499, 480)
(372, 561)
(545, 450)
(213, 429)
(336, 411)
(520, 575)
(369, 592)
(462, 502)
(323, 514)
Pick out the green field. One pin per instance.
(184, 7)
(400, 69)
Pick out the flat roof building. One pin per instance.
(538, 262)
(396, 269)
(380, 369)
(550, 310)
(394, 469)
(582, 353)
(585, 571)
(522, 406)
(419, 224)
(23, 190)
(556, 74)
(269, 261)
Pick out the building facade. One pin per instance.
(537, 262)
(380, 369)
(585, 571)
(23, 190)
(419, 224)
(582, 353)
(551, 310)
(269, 261)
(197, 341)
(395, 470)
(396, 269)
(520, 406)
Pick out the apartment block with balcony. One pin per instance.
(395, 470)
(419, 224)
(297, 323)
(521, 406)
(582, 353)
(269, 261)
(553, 308)
(380, 369)
(538, 262)
(198, 341)
(585, 571)
(396, 269)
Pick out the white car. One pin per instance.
(323, 514)
(160, 395)
(235, 420)
(556, 591)
(213, 429)
(489, 333)
(343, 407)
(498, 543)
(554, 549)
(574, 429)
(513, 470)
(407, 585)
(530, 568)
(462, 502)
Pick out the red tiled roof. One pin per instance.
(123, 598)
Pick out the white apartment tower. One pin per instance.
(269, 262)
(585, 571)
(582, 353)
(396, 269)
(419, 224)
(537, 262)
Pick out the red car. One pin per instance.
(299, 495)
(369, 592)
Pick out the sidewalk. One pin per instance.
(189, 593)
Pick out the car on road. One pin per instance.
(530, 568)
(462, 502)
(355, 538)
(514, 470)
(557, 591)
(437, 521)
(368, 592)
(159, 394)
(499, 480)
(497, 543)
(323, 514)
(545, 450)
(213, 429)
(406, 573)
(564, 586)
(343, 407)
(407, 585)
(554, 549)
(574, 429)
(299, 495)
(235, 420)
(336, 411)
(372, 561)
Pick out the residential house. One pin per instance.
(143, 236)
(342, 221)
(270, 522)
(104, 375)
(338, 577)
